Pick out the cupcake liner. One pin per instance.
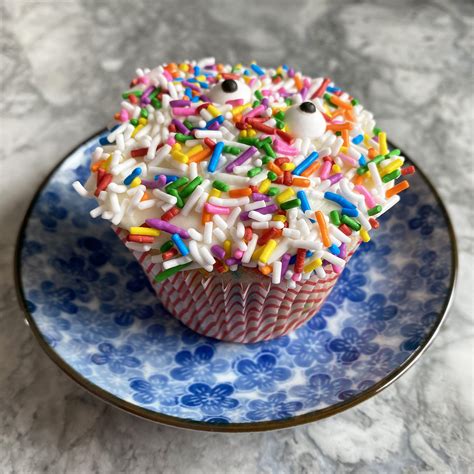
(239, 306)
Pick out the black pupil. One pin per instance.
(308, 107)
(229, 85)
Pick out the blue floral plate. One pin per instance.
(94, 313)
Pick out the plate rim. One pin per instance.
(259, 426)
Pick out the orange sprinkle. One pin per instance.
(340, 103)
(323, 228)
(298, 82)
(206, 217)
(200, 156)
(372, 153)
(311, 169)
(145, 197)
(345, 137)
(339, 127)
(276, 169)
(358, 179)
(349, 114)
(97, 165)
(266, 269)
(398, 188)
(241, 192)
(301, 182)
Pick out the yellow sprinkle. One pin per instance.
(288, 166)
(364, 235)
(142, 121)
(264, 185)
(179, 156)
(240, 108)
(394, 165)
(184, 67)
(267, 250)
(336, 168)
(215, 112)
(279, 218)
(285, 195)
(201, 78)
(144, 231)
(243, 133)
(135, 182)
(343, 149)
(137, 129)
(257, 253)
(194, 150)
(383, 150)
(317, 262)
(251, 133)
(215, 193)
(177, 146)
(227, 247)
(106, 163)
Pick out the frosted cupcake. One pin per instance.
(242, 191)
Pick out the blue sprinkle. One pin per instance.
(216, 154)
(304, 201)
(309, 254)
(337, 198)
(333, 89)
(136, 172)
(204, 85)
(306, 163)
(285, 67)
(195, 99)
(180, 244)
(334, 249)
(197, 70)
(256, 68)
(219, 119)
(104, 141)
(188, 91)
(362, 160)
(170, 178)
(292, 260)
(358, 139)
(350, 211)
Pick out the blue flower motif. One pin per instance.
(211, 400)
(155, 389)
(118, 359)
(433, 266)
(124, 310)
(318, 321)
(373, 313)
(274, 408)
(31, 248)
(199, 365)
(352, 392)
(348, 286)
(321, 390)
(416, 333)
(138, 280)
(95, 327)
(351, 344)
(262, 374)
(216, 420)
(427, 219)
(155, 346)
(381, 363)
(54, 300)
(310, 347)
(49, 210)
(190, 338)
(371, 254)
(273, 345)
(100, 253)
(408, 201)
(53, 329)
(399, 282)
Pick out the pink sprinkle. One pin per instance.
(167, 75)
(184, 111)
(281, 147)
(171, 141)
(212, 209)
(266, 92)
(124, 115)
(143, 80)
(252, 81)
(296, 277)
(307, 82)
(235, 102)
(369, 200)
(351, 161)
(336, 269)
(253, 112)
(238, 254)
(325, 170)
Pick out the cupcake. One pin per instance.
(242, 191)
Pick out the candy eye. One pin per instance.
(305, 121)
(230, 89)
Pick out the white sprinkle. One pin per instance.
(307, 244)
(202, 200)
(276, 274)
(163, 152)
(125, 166)
(96, 212)
(176, 261)
(158, 170)
(282, 247)
(193, 170)
(137, 247)
(250, 249)
(208, 133)
(255, 205)
(117, 188)
(233, 216)
(320, 272)
(334, 259)
(220, 222)
(123, 208)
(195, 253)
(374, 173)
(148, 204)
(161, 195)
(194, 234)
(389, 204)
(339, 234)
(220, 234)
(232, 179)
(232, 202)
(207, 256)
(259, 217)
(208, 227)
(80, 189)
(114, 203)
(192, 200)
(291, 233)
(240, 231)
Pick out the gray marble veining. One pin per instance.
(63, 64)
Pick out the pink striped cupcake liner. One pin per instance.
(239, 306)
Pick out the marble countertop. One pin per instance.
(63, 64)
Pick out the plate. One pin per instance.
(93, 311)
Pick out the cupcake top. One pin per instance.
(216, 167)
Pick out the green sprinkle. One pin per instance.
(254, 171)
(335, 218)
(134, 122)
(378, 159)
(188, 124)
(269, 150)
(256, 103)
(280, 115)
(273, 191)
(170, 272)
(144, 113)
(258, 95)
(179, 199)
(391, 176)
(232, 150)
(327, 98)
(375, 210)
(177, 184)
(290, 204)
(127, 94)
(288, 102)
(355, 102)
(350, 222)
(363, 169)
(189, 188)
(220, 185)
(180, 137)
(272, 176)
(156, 103)
(154, 93)
(394, 152)
(376, 131)
(279, 124)
(166, 246)
(249, 140)
(265, 159)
